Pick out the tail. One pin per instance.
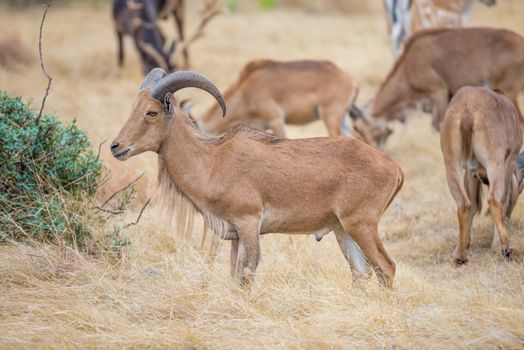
(466, 132)
(400, 182)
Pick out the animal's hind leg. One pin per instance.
(456, 183)
(473, 187)
(495, 200)
(455, 176)
(353, 254)
(365, 234)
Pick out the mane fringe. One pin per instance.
(183, 215)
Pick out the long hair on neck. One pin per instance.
(181, 212)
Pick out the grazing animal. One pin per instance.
(436, 63)
(268, 94)
(248, 182)
(407, 17)
(139, 19)
(481, 139)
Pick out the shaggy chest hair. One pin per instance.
(182, 212)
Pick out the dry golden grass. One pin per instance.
(160, 292)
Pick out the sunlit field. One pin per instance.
(163, 292)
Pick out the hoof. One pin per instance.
(506, 252)
(460, 261)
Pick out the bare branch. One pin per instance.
(112, 212)
(121, 190)
(169, 7)
(139, 215)
(100, 149)
(104, 179)
(211, 10)
(49, 78)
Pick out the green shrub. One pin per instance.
(48, 176)
(267, 4)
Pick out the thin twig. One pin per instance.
(104, 179)
(100, 149)
(211, 10)
(112, 212)
(121, 190)
(49, 78)
(139, 215)
(80, 178)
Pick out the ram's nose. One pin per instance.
(119, 151)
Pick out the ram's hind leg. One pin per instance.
(357, 262)
(365, 235)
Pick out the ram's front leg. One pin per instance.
(234, 255)
(248, 252)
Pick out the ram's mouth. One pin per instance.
(122, 155)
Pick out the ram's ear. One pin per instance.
(168, 105)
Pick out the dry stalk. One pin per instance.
(49, 78)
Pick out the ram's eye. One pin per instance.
(151, 114)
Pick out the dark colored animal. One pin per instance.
(139, 19)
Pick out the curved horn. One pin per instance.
(152, 78)
(182, 79)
